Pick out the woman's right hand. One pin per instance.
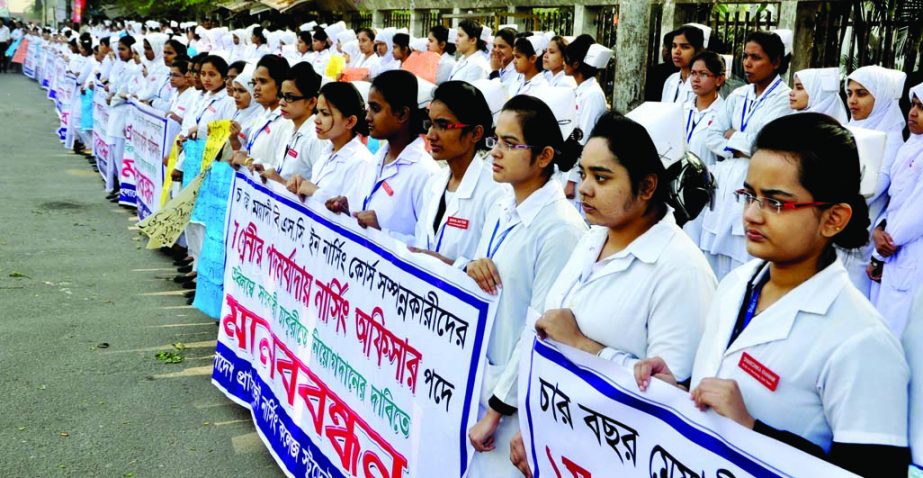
(294, 183)
(653, 367)
(884, 244)
(518, 455)
(338, 205)
(485, 273)
(235, 135)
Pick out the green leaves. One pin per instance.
(170, 357)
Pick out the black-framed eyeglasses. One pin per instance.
(290, 98)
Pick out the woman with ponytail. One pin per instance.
(526, 240)
(791, 348)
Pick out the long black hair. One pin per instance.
(828, 165)
(348, 101)
(468, 104)
(772, 44)
(473, 29)
(399, 88)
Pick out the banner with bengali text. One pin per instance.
(100, 123)
(151, 137)
(354, 356)
(582, 417)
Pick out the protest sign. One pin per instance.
(354, 356)
(582, 416)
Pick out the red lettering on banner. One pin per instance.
(457, 222)
(576, 471)
(323, 404)
(760, 372)
(371, 332)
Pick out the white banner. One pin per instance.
(100, 123)
(582, 416)
(151, 136)
(355, 357)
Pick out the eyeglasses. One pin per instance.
(442, 125)
(774, 205)
(494, 142)
(700, 74)
(290, 98)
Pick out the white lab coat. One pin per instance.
(903, 271)
(722, 228)
(396, 191)
(470, 68)
(267, 139)
(214, 106)
(912, 338)
(183, 102)
(332, 173)
(301, 150)
(697, 123)
(444, 69)
(657, 292)
(675, 90)
(523, 87)
(461, 225)
(545, 228)
(591, 104)
(841, 373)
(561, 79)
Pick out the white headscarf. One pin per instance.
(886, 86)
(823, 87)
(247, 115)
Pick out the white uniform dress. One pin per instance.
(912, 338)
(529, 244)
(829, 369)
(302, 149)
(267, 138)
(675, 90)
(466, 208)
(333, 172)
(470, 68)
(657, 292)
(903, 271)
(396, 191)
(697, 123)
(523, 87)
(444, 70)
(722, 228)
(591, 104)
(561, 79)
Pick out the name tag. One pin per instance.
(211, 108)
(292, 152)
(457, 222)
(266, 129)
(387, 188)
(760, 372)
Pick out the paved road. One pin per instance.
(73, 276)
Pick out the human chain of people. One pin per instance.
(447, 255)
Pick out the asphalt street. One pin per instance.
(84, 312)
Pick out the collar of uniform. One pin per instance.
(766, 92)
(307, 128)
(649, 246)
(814, 296)
(410, 154)
(529, 209)
(345, 151)
(586, 85)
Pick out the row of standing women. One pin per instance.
(788, 197)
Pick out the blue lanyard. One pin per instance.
(365, 203)
(199, 118)
(258, 133)
(754, 298)
(744, 117)
(288, 147)
(439, 240)
(491, 249)
(694, 124)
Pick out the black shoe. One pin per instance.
(189, 294)
(112, 195)
(182, 279)
(185, 269)
(114, 199)
(189, 284)
(190, 300)
(182, 262)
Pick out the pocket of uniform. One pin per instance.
(902, 277)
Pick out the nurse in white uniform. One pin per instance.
(657, 285)
(302, 147)
(583, 59)
(340, 123)
(471, 64)
(459, 196)
(527, 59)
(706, 76)
(872, 95)
(393, 190)
(524, 245)
(501, 58)
(818, 90)
(898, 237)
(437, 41)
(731, 138)
(791, 349)
(553, 63)
(688, 41)
(269, 133)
